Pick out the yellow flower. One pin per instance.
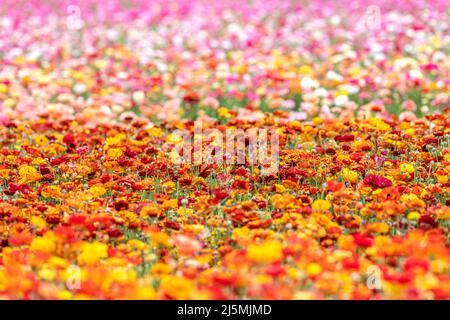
(313, 269)
(280, 188)
(321, 205)
(38, 222)
(295, 124)
(43, 244)
(414, 215)
(115, 153)
(263, 279)
(439, 266)
(137, 244)
(281, 201)
(170, 204)
(160, 238)
(443, 213)
(169, 186)
(9, 103)
(223, 112)
(155, 132)
(38, 161)
(144, 293)
(349, 175)
(47, 274)
(11, 159)
(3, 88)
(64, 295)
(177, 287)
(113, 140)
(406, 167)
(40, 140)
(92, 253)
(118, 275)
(53, 149)
(442, 179)
(410, 131)
(305, 70)
(378, 227)
(185, 211)
(4, 173)
(317, 120)
(267, 252)
(28, 174)
(57, 262)
(97, 191)
(412, 201)
(174, 138)
(160, 268)
(379, 124)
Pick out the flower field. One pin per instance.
(119, 179)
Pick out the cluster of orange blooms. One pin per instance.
(357, 210)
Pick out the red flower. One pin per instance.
(344, 138)
(335, 186)
(426, 221)
(241, 184)
(377, 181)
(172, 225)
(115, 233)
(275, 270)
(69, 140)
(20, 239)
(67, 233)
(357, 156)
(121, 205)
(414, 263)
(351, 263)
(363, 241)
(219, 194)
(77, 219)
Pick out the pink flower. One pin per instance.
(82, 150)
(407, 116)
(210, 103)
(409, 105)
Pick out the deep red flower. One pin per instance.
(69, 140)
(426, 221)
(121, 205)
(172, 225)
(377, 181)
(219, 194)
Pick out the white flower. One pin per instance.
(308, 83)
(340, 100)
(332, 75)
(416, 74)
(321, 92)
(79, 88)
(138, 96)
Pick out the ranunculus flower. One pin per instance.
(377, 181)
